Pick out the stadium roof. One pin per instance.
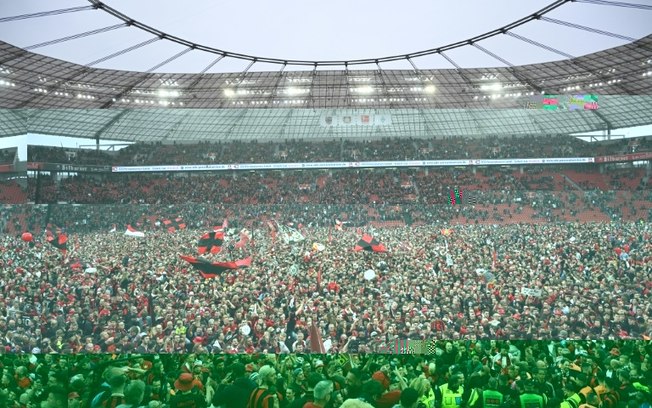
(41, 94)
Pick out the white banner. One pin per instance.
(344, 165)
(531, 292)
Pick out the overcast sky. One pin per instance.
(312, 30)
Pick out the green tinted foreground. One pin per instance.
(457, 374)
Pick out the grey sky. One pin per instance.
(304, 29)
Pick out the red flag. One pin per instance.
(174, 225)
(60, 242)
(209, 269)
(316, 343)
(319, 278)
(244, 238)
(369, 243)
(243, 263)
(211, 242)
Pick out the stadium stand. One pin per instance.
(339, 150)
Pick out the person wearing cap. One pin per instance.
(265, 396)
(299, 380)
(530, 397)
(186, 396)
(319, 367)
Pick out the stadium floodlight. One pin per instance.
(492, 87)
(364, 89)
(229, 92)
(164, 93)
(292, 91)
(430, 89)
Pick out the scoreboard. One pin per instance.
(553, 102)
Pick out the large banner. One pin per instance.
(72, 168)
(624, 157)
(335, 165)
(345, 165)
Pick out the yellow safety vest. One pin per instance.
(428, 399)
(449, 398)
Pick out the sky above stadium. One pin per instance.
(310, 30)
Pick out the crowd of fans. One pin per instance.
(480, 275)
(339, 150)
(455, 374)
(390, 186)
(114, 293)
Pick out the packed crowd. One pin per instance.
(361, 208)
(114, 293)
(391, 186)
(454, 374)
(339, 150)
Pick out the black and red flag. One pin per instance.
(211, 242)
(369, 243)
(174, 225)
(60, 242)
(208, 269)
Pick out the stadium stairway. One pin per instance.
(593, 180)
(571, 182)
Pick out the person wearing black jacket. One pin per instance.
(353, 384)
(313, 379)
(236, 393)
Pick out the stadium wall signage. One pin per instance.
(347, 165)
(73, 168)
(624, 157)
